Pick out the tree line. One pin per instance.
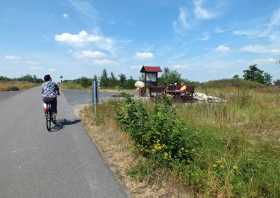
(253, 73)
(113, 81)
(27, 78)
(107, 81)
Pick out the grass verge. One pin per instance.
(15, 85)
(139, 175)
(210, 150)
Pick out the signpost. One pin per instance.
(94, 94)
(61, 79)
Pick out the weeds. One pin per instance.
(205, 145)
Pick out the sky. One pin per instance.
(201, 39)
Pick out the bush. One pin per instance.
(158, 134)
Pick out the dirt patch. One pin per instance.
(118, 152)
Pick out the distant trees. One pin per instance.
(84, 82)
(169, 77)
(28, 78)
(106, 81)
(236, 77)
(4, 78)
(277, 82)
(253, 73)
(267, 79)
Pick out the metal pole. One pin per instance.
(94, 94)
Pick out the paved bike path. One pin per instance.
(35, 163)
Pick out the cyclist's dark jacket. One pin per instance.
(50, 90)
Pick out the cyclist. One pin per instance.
(50, 91)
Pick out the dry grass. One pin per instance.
(255, 112)
(120, 154)
(15, 85)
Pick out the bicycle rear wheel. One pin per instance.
(49, 119)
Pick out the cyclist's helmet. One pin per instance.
(47, 77)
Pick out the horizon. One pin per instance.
(203, 40)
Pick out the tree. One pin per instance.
(267, 79)
(104, 80)
(277, 82)
(169, 77)
(236, 76)
(130, 83)
(254, 74)
(4, 78)
(122, 80)
(85, 82)
(113, 80)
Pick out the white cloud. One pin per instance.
(223, 49)
(65, 15)
(144, 55)
(267, 30)
(89, 54)
(105, 62)
(85, 8)
(264, 61)
(201, 12)
(83, 38)
(260, 49)
(96, 57)
(247, 33)
(12, 57)
(274, 21)
(181, 23)
(219, 30)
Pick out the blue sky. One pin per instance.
(202, 39)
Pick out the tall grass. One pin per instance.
(252, 112)
(232, 147)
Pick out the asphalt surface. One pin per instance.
(35, 163)
(76, 97)
(7, 94)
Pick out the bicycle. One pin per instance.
(49, 116)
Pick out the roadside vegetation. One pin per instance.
(217, 150)
(228, 149)
(15, 84)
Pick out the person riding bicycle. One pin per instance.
(50, 91)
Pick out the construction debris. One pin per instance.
(205, 98)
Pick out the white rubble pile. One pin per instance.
(203, 97)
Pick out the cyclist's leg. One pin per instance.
(54, 105)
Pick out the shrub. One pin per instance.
(158, 134)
